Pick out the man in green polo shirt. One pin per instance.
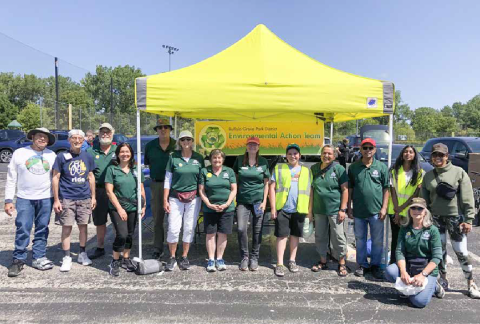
(368, 189)
(157, 153)
(103, 154)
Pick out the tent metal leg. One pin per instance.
(331, 132)
(139, 183)
(387, 220)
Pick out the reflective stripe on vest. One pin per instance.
(403, 190)
(283, 179)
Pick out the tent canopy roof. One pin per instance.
(262, 78)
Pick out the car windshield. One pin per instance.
(475, 146)
(379, 135)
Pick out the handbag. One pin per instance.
(184, 197)
(444, 189)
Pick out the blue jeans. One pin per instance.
(376, 234)
(31, 212)
(421, 299)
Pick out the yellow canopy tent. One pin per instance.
(263, 78)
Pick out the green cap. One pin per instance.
(294, 146)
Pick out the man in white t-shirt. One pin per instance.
(30, 172)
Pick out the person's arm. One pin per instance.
(351, 184)
(91, 183)
(10, 186)
(383, 211)
(310, 205)
(57, 205)
(113, 199)
(166, 191)
(203, 196)
(425, 193)
(343, 202)
(467, 202)
(271, 198)
(400, 256)
(231, 197)
(436, 252)
(144, 207)
(263, 205)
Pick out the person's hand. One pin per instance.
(94, 203)
(57, 206)
(263, 206)
(273, 214)
(418, 280)
(9, 209)
(166, 207)
(310, 216)
(341, 216)
(123, 214)
(465, 228)
(350, 213)
(382, 214)
(143, 212)
(396, 219)
(405, 277)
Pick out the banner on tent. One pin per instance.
(274, 137)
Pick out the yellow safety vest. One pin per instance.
(403, 190)
(283, 180)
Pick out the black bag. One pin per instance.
(416, 265)
(444, 189)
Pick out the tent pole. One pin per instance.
(387, 220)
(331, 132)
(175, 132)
(139, 188)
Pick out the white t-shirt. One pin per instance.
(30, 172)
(408, 176)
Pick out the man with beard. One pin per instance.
(103, 154)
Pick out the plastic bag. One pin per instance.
(409, 290)
(307, 228)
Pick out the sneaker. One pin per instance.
(184, 264)
(292, 266)
(473, 291)
(66, 264)
(280, 270)
(244, 264)
(253, 265)
(220, 264)
(42, 264)
(171, 263)
(443, 282)
(96, 253)
(361, 271)
(115, 268)
(128, 265)
(83, 259)
(439, 291)
(211, 266)
(16, 267)
(157, 255)
(378, 273)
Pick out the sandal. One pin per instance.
(342, 270)
(319, 266)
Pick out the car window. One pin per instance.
(460, 148)
(62, 137)
(475, 146)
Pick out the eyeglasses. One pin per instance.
(367, 148)
(186, 139)
(417, 208)
(438, 154)
(163, 127)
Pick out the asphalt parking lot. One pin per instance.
(90, 295)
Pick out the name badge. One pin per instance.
(244, 168)
(67, 156)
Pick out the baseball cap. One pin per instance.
(253, 139)
(440, 147)
(185, 133)
(108, 126)
(294, 146)
(368, 141)
(418, 202)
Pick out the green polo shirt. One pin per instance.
(157, 158)
(368, 184)
(124, 186)
(421, 243)
(185, 174)
(217, 188)
(327, 193)
(102, 161)
(251, 180)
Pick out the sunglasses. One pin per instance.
(417, 208)
(186, 139)
(163, 127)
(367, 148)
(438, 154)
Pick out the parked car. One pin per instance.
(8, 147)
(10, 134)
(458, 149)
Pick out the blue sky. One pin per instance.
(430, 49)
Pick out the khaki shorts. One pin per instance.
(79, 211)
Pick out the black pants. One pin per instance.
(395, 229)
(343, 161)
(243, 216)
(124, 230)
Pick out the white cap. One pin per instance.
(76, 132)
(185, 133)
(107, 125)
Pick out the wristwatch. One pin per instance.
(424, 274)
(344, 210)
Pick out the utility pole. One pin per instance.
(56, 93)
(111, 100)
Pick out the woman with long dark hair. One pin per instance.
(121, 187)
(406, 178)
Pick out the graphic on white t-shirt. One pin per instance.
(37, 165)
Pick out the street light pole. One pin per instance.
(170, 50)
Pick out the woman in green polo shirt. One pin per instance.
(419, 251)
(121, 188)
(252, 175)
(328, 204)
(218, 187)
(180, 198)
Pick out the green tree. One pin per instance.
(21, 90)
(424, 122)
(402, 113)
(8, 111)
(29, 117)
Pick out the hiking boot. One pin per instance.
(244, 264)
(184, 264)
(115, 268)
(361, 271)
(220, 264)
(253, 265)
(42, 264)
(439, 291)
(280, 270)
(66, 264)
(171, 263)
(16, 267)
(96, 253)
(83, 259)
(378, 273)
(211, 266)
(128, 265)
(292, 266)
(473, 291)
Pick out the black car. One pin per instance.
(10, 134)
(458, 148)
